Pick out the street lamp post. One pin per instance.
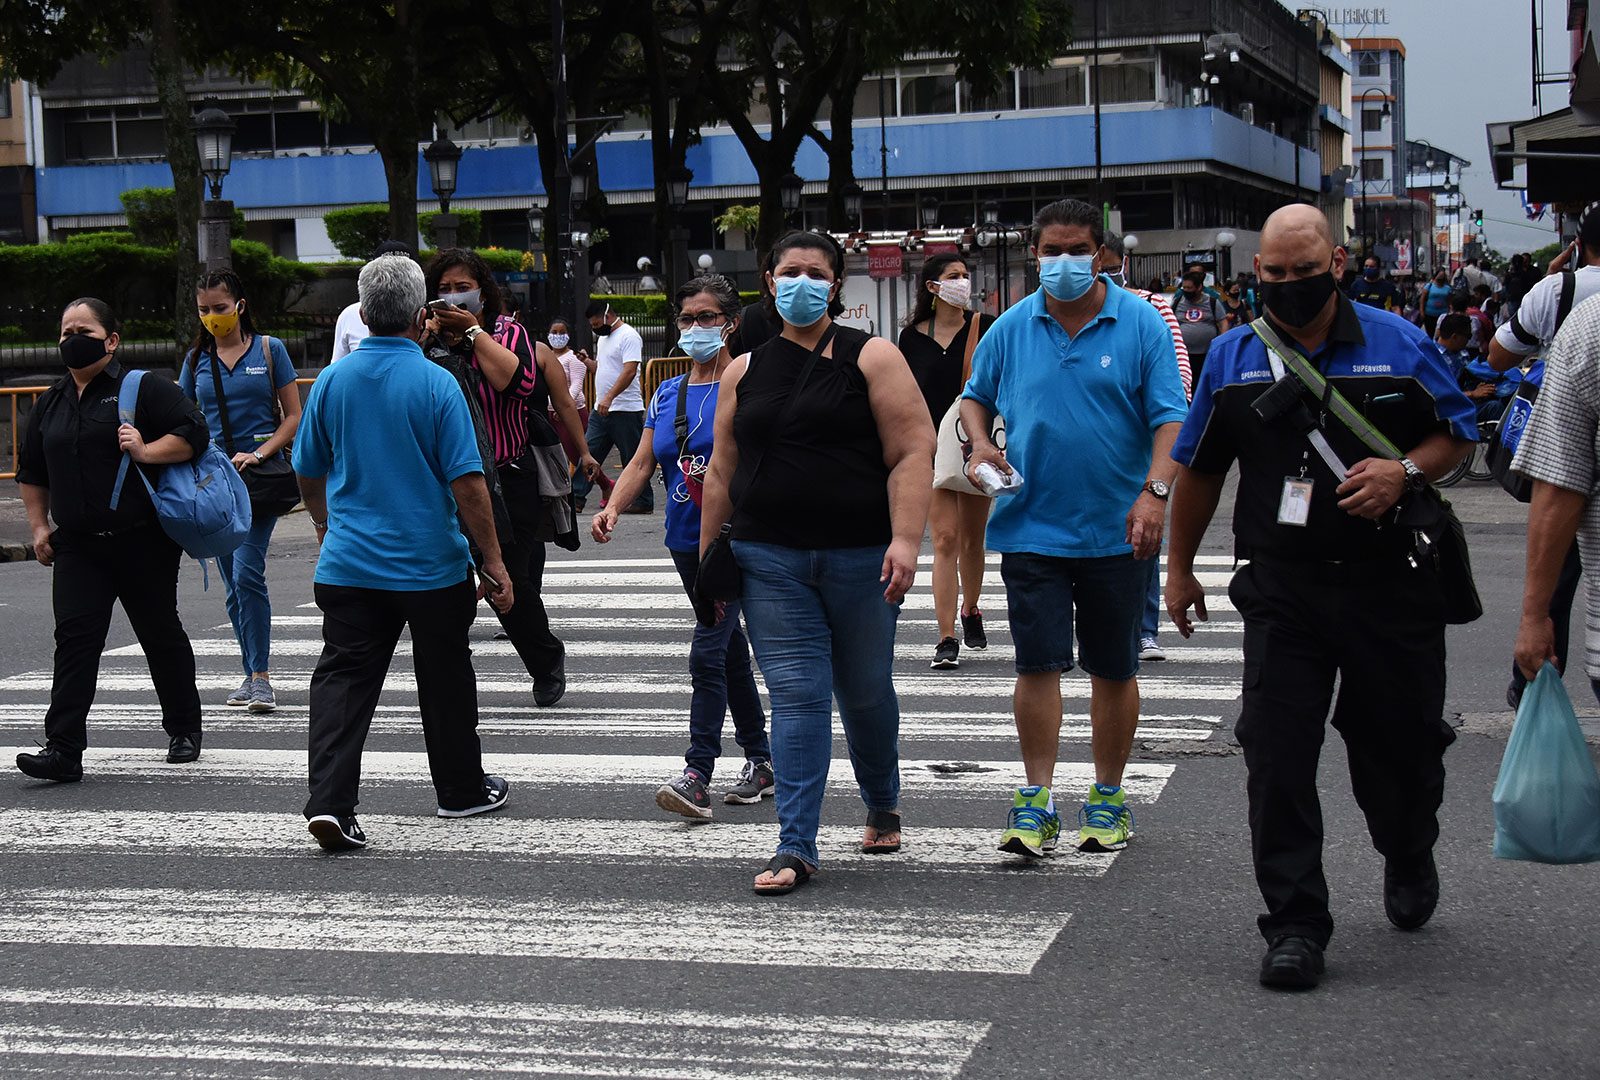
(677, 199)
(789, 190)
(990, 232)
(578, 243)
(853, 198)
(443, 158)
(1225, 241)
(213, 136)
(928, 212)
(1366, 223)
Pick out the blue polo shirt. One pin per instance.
(1384, 366)
(1080, 413)
(250, 388)
(389, 430)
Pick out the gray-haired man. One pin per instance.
(386, 454)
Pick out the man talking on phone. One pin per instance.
(386, 454)
(1331, 590)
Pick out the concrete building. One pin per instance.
(1334, 126)
(18, 214)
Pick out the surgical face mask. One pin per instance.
(220, 326)
(801, 301)
(559, 341)
(467, 301)
(603, 329)
(702, 343)
(1118, 277)
(1066, 277)
(81, 350)
(1370, 273)
(956, 292)
(1297, 303)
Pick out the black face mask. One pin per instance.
(81, 350)
(603, 329)
(1297, 303)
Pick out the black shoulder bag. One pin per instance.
(1502, 447)
(272, 485)
(1438, 540)
(718, 578)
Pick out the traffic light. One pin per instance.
(1477, 219)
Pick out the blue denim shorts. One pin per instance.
(1046, 595)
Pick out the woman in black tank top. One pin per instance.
(823, 462)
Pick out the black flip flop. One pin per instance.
(802, 874)
(885, 821)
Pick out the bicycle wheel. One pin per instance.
(1457, 474)
(1477, 464)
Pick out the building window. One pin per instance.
(929, 94)
(1127, 77)
(5, 101)
(1003, 99)
(1372, 119)
(1061, 85)
(1372, 168)
(1368, 65)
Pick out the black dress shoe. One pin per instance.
(550, 688)
(1410, 893)
(1292, 963)
(52, 764)
(183, 748)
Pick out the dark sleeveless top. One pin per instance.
(824, 483)
(937, 368)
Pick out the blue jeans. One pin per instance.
(244, 580)
(719, 671)
(1152, 602)
(822, 632)
(623, 431)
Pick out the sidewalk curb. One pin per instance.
(16, 552)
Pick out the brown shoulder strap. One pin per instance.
(972, 345)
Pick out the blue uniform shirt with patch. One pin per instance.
(251, 389)
(1386, 367)
(1080, 414)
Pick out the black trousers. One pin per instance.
(360, 628)
(527, 623)
(1380, 631)
(139, 568)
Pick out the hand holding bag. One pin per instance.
(949, 455)
(274, 489)
(1547, 798)
(718, 579)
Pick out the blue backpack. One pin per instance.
(201, 503)
(1502, 448)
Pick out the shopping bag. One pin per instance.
(1547, 798)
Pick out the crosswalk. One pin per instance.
(580, 883)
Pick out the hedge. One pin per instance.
(469, 230)
(153, 222)
(358, 230)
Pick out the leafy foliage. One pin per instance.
(357, 230)
(469, 229)
(153, 218)
(746, 218)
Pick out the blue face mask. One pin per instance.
(702, 343)
(802, 300)
(1066, 277)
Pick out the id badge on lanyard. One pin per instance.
(1294, 505)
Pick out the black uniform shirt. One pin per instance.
(1384, 366)
(71, 448)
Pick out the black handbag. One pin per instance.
(718, 579)
(274, 489)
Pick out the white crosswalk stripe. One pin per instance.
(583, 776)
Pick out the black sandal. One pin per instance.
(885, 821)
(784, 861)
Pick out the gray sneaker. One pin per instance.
(755, 783)
(261, 699)
(686, 795)
(241, 696)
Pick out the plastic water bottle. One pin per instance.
(993, 482)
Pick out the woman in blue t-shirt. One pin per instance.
(263, 410)
(1435, 301)
(677, 433)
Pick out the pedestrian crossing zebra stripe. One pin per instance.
(648, 722)
(487, 624)
(670, 581)
(991, 561)
(665, 840)
(289, 1035)
(601, 600)
(961, 779)
(899, 938)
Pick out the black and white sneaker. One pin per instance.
(341, 833)
(755, 783)
(687, 795)
(495, 793)
(972, 630)
(947, 655)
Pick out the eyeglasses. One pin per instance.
(705, 320)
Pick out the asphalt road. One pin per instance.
(177, 921)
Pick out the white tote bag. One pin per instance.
(949, 456)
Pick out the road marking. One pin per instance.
(878, 936)
(655, 842)
(331, 1036)
(981, 779)
(991, 559)
(593, 599)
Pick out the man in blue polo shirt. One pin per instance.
(1086, 377)
(1333, 587)
(386, 453)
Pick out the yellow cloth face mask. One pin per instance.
(220, 326)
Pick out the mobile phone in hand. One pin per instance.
(490, 578)
(437, 306)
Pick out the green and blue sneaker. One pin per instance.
(1032, 828)
(1104, 823)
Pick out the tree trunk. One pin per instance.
(400, 173)
(166, 66)
(841, 162)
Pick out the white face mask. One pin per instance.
(559, 341)
(956, 292)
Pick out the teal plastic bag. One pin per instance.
(1547, 799)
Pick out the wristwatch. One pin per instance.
(1416, 479)
(471, 334)
(257, 455)
(1159, 488)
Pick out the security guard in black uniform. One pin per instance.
(1330, 588)
(66, 469)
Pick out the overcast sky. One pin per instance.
(1468, 63)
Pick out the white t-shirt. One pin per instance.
(622, 346)
(348, 331)
(1534, 324)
